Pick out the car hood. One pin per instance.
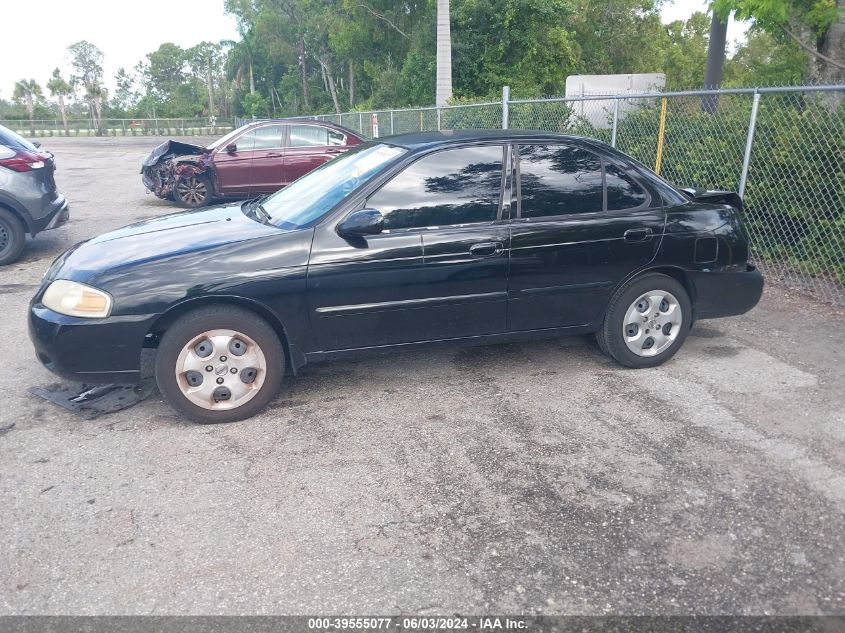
(175, 148)
(157, 239)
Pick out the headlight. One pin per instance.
(75, 299)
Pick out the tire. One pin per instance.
(192, 192)
(209, 338)
(626, 329)
(12, 237)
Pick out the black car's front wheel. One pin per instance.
(12, 237)
(219, 364)
(193, 191)
(646, 322)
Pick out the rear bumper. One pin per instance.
(88, 350)
(722, 294)
(57, 215)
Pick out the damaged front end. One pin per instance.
(170, 162)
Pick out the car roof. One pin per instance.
(416, 140)
(303, 119)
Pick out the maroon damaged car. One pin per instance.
(256, 159)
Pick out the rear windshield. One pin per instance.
(10, 139)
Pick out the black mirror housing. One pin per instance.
(231, 148)
(361, 223)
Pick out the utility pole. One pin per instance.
(444, 54)
(715, 61)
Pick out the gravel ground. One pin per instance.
(531, 478)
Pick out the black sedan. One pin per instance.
(469, 237)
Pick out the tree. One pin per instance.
(59, 88)
(28, 91)
(125, 95)
(444, 54)
(815, 26)
(205, 61)
(87, 61)
(686, 51)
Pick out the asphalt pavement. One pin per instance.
(531, 478)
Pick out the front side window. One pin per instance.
(246, 143)
(456, 186)
(623, 192)
(308, 199)
(558, 180)
(268, 137)
(308, 135)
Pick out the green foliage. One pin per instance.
(794, 209)
(255, 105)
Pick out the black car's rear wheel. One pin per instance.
(219, 364)
(12, 237)
(646, 322)
(191, 192)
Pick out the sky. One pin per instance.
(126, 34)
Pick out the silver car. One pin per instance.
(29, 200)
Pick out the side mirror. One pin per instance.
(36, 143)
(361, 223)
(231, 148)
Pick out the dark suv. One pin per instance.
(29, 201)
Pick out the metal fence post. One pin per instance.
(506, 97)
(438, 119)
(360, 122)
(661, 136)
(391, 121)
(615, 122)
(749, 143)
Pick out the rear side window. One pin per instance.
(268, 137)
(308, 135)
(623, 192)
(455, 186)
(336, 138)
(10, 139)
(558, 180)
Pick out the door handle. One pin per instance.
(637, 235)
(273, 155)
(485, 249)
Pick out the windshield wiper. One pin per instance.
(260, 207)
(255, 209)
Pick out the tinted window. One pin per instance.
(268, 137)
(456, 186)
(336, 138)
(305, 135)
(622, 191)
(557, 179)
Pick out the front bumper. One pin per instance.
(88, 350)
(722, 294)
(56, 216)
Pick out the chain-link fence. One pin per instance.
(783, 149)
(40, 128)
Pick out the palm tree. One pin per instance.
(94, 95)
(28, 91)
(59, 88)
(444, 54)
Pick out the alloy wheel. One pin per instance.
(192, 190)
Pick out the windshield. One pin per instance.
(223, 140)
(306, 200)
